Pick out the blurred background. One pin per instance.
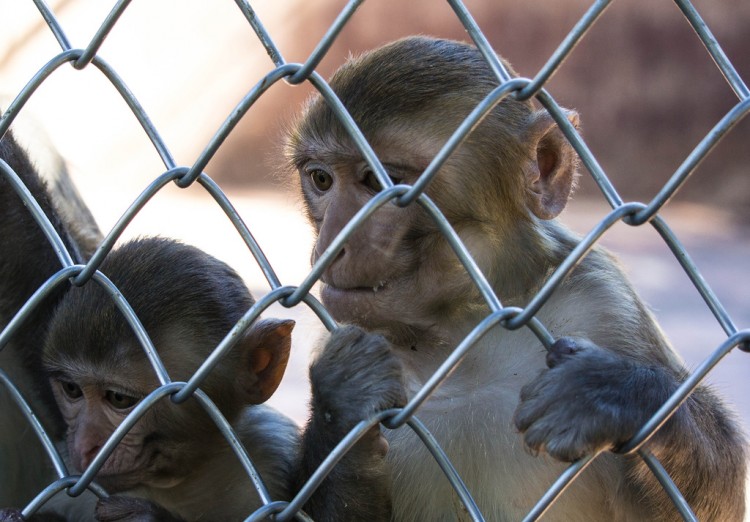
(645, 87)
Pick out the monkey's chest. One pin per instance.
(476, 432)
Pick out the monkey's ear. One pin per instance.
(550, 175)
(265, 353)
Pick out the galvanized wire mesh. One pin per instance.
(633, 213)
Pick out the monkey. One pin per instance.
(509, 417)
(26, 260)
(187, 301)
(169, 465)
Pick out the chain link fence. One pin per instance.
(632, 213)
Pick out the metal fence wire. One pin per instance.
(635, 214)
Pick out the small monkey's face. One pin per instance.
(186, 300)
(94, 403)
(92, 411)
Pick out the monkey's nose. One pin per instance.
(337, 258)
(88, 456)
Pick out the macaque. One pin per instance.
(187, 301)
(26, 260)
(174, 464)
(501, 190)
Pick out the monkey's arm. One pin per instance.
(591, 399)
(355, 376)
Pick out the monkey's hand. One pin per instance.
(589, 399)
(355, 376)
(130, 509)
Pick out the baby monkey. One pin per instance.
(187, 301)
(174, 464)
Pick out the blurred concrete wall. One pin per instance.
(646, 89)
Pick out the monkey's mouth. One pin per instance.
(370, 289)
(383, 307)
(352, 303)
(377, 287)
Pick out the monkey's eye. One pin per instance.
(119, 400)
(371, 180)
(71, 389)
(321, 179)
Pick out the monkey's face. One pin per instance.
(92, 412)
(94, 403)
(396, 268)
(408, 98)
(155, 452)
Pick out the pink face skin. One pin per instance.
(92, 413)
(169, 438)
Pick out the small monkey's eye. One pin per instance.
(119, 400)
(321, 179)
(71, 389)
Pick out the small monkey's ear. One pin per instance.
(265, 353)
(551, 172)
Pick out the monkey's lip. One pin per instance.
(348, 302)
(362, 305)
(371, 289)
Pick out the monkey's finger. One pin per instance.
(536, 398)
(567, 445)
(537, 435)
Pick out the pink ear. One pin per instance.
(551, 173)
(266, 348)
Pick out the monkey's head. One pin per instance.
(515, 170)
(187, 302)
